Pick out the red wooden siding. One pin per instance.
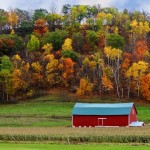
(81, 120)
(133, 115)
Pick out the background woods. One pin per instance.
(93, 50)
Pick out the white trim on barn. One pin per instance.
(102, 121)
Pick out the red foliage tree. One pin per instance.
(40, 26)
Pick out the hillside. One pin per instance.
(88, 50)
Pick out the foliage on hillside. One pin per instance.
(95, 50)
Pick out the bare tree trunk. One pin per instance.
(117, 84)
(99, 78)
(3, 97)
(7, 97)
(129, 89)
(122, 92)
(138, 87)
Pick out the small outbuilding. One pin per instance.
(99, 115)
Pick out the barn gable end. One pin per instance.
(133, 117)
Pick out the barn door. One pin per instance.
(101, 121)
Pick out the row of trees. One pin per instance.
(94, 16)
(98, 50)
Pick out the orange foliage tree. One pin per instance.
(140, 50)
(101, 41)
(107, 84)
(20, 75)
(68, 70)
(145, 86)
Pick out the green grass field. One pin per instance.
(44, 111)
(143, 113)
(9, 146)
(50, 115)
(47, 111)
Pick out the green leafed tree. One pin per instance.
(5, 77)
(77, 41)
(33, 44)
(57, 38)
(92, 39)
(39, 14)
(115, 41)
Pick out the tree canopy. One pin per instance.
(100, 51)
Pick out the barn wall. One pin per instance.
(133, 115)
(81, 120)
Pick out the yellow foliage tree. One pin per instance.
(12, 32)
(18, 83)
(86, 61)
(107, 52)
(139, 29)
(92, 64)
(116, 30)
(48, 48)
(136, 71)
(85, 87)
(106, 18)
(20, 75)
(51, 70)
(67, 44)
(12, 18)
(112, 54)
(101, 15)
(36, 75)
(115, 54)
(36, 67)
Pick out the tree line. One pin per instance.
(93, 49)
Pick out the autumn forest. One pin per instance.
(88, 50)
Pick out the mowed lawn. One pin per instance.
(8, 146)
(47, 111)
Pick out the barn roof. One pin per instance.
(102, 109)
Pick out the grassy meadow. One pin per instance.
(45, 111)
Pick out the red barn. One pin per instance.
(95, 115)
